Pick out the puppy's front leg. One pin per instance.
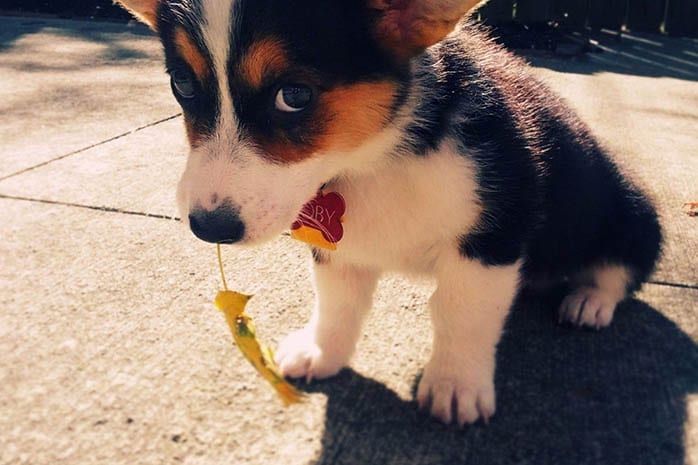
(343, 297)
(468, 310)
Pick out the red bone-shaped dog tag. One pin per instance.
(320, 221)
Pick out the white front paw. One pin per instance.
(454, 392)
(299, 356)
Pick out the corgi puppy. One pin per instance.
(452, 161)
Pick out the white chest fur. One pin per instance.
(405, 214)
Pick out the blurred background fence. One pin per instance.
(674, 17)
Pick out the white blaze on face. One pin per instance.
(222, 168)
(217, 30)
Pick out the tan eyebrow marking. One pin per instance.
(264, 58)
(191, 53)
(193, 135)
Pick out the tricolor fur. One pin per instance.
(453, 162)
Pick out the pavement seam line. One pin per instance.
(90, 207)
(175, 218)
(84, 149)
(670, 284)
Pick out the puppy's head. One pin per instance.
(280, 97)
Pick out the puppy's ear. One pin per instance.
(144, 10)
(407, 27)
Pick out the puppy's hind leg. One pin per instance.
(324, 346)
(596, 294)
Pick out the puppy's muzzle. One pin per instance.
(220, 226)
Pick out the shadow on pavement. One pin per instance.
(12, 29)
(650, 55)
(565, 396)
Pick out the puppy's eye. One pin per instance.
(293, 98)
(182, 83)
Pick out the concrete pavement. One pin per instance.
(112, 351)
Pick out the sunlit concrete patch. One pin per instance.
(65, 85)
(691, 430)
(138, 172)
(114, 353)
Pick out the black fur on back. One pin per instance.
(551, 195)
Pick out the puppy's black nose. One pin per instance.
(220, 226)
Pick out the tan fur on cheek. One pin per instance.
(191, 54)
(194, 136)
(285, 152)
(264, 59)
(354, 113)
